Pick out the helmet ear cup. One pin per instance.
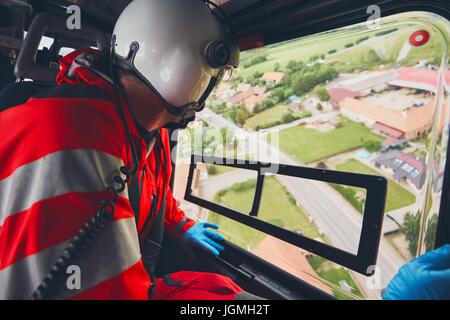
(218, 54)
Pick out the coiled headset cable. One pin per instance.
(49, 287)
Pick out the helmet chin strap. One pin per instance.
(180, 125)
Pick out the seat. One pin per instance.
(7, 71)
(55, 26)
(40, 66)
(18, 93)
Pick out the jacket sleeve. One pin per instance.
(176, 220)
(62, 155)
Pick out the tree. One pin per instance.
(257, 74)
(362, 39)
(410, 229)
(255, 60)
(314, 58)
(268, 103)
(257, 108)
(211, 169)
(288, 92)
(278, 94)
(241, 116)
(294, 66)
(309, 77)
(322, 165)
(277, 67)
(372, 57)
(287, 117)
(332, 51)
(319, 107)
(372, 146)
(322, 93)
(430, 234)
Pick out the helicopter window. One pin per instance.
(363, 100)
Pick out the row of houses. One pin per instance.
(245, 94)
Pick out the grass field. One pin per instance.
(334, 275)
(388, 51)
(277, 207)
(271, 115)
(397, 196)
(299, 49)
(309, 145)
(387, 48)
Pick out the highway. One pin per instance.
(331, 213)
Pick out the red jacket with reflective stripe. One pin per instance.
(59, 152)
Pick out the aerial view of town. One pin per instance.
(355, 99)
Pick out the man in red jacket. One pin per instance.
(92, 154)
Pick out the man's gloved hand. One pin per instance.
(199, 235)
(424, 278)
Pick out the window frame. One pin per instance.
(371, 229)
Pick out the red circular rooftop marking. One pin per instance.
(419, 38)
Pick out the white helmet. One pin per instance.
(179, 48)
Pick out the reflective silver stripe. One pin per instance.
(19, 281)
(115, 250)
(83, 170)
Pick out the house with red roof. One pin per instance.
(250, 97)
(273, 77)
(338, 94)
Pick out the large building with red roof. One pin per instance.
(338, 94)
(405, 111)
(419, 79)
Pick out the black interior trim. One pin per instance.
(376, 187)
(82, 91)
(253, 274)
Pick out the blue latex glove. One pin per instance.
(424, 278)
(199, 235)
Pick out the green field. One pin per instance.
(388, 51)
(387, 47)
(299, 49)
(277, 207)
(269, 116)
(334, 275)
(397, 196)
(309, 145)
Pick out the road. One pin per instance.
(331, 213)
